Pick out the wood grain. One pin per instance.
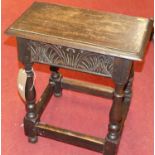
(101, 32)
(87, 87)
(71, 137)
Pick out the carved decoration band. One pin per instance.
(71, 58)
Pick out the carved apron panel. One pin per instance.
(71, 58)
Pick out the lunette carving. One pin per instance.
(71, 58)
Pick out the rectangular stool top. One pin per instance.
(101, 32)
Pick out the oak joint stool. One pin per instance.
(100, 43)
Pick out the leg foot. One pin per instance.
(33, 139)
(110, 148)
(58, 94)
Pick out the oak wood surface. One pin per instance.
(87, 87)
(71, 137)
(101, 32)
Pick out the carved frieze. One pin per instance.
(71, 58)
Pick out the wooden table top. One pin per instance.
(101, 32)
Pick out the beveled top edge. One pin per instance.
(78, 45)
(84, 45)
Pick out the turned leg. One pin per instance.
(128, 88)
(30, 95)
(127, 96)
(118, 114)
(56, 79)
(113, 137)
(120, 75)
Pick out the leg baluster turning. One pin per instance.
(56, 78)
(127, 97)
(113, 137)
(30, 95)
(128, 88)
